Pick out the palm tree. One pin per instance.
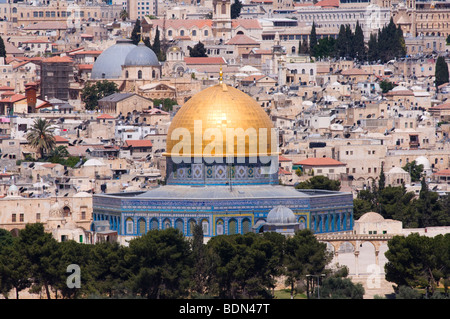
(123, 14)
(40, 136)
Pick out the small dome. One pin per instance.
(109, 64)
(93, 162)
(424, 161)
(371, 217)
(141, 55)
(281, 215)
(397, 170)
(13, 188)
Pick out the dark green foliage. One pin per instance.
(156, 47)
(441, 71)
(312, 38)
(304, 256)
(414, 170)
(340, 288)
(418, 261)
(244, 266)
(161, 264)
(198, 51)
(236, 8)
(91, 93)
(386, 86)
(136, 33)
(2, 48)
(167, 104)
(320, 182)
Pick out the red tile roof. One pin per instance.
(138, 143)
(241, 39)
(444, 172)
(282, 171)
(320, 161)
(58, 59)
(13, 98)
(281, 158)
(60, 139)
(328, 3)
(85, 66)
(105, 116)
(203, 61)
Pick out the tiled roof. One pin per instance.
(282, 171)
(60, 139)
(202, 61)
(138, 143)
(13, 98)
(105, 116)
(319, 161)
(246, 23)
(328, 3)
(281, 158)
(444, 172)
(241, 39)
(58, 59)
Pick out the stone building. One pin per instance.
(124, 104)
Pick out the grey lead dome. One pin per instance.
(141, 55)
(109, 64)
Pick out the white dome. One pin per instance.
(94, 162)
(424, 161)
(397, 170)
(281, 215)
(13, 188)
(371, 217)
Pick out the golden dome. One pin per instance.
(216, 110)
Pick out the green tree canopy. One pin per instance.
(320, 182)
(136, 33)
(441, 71)
(415, 170)
(2, 48)
(236, 8)
(92, 92)
(198, 51)
(161, 264)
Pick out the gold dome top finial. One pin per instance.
(220, 75)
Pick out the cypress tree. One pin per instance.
(341, 42)
(312, 39)
(441, 71)
(135, 34)
(372, 50)
(2, 48)
(358, 42)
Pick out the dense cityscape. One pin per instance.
(224, 149)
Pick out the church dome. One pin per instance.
(109, 64)
(281, 215)
(141, 55)
(424, 161)
(219, 108)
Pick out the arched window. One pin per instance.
(246, 226)
(311, 72)
(153, 74)
(194, 33)
(169, 33)
(141, 226)
(179, 225)
(126, 74)
(293, 50)
(232, 227)
(219, 227)
(205, 33)
(182, 32)
(191, 226)
(66, 211)
(205, 227)
(129, 226)
(167, 223)
(154, 224)
(139, 74)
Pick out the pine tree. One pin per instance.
(312, 39)
(441, 71)
(135, 34)
(358, 42)
(2, 49)
(236, 8)
(198, 50)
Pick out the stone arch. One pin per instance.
(366, 256)
(14, 232)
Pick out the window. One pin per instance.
(83, 215)
(21, 218)
(245, 226)
(179, 225)
(129, 225)
(38, 217)
(205, 226)
(13, 218)
(232, 227)
(219, 227)
(141, 224)
(139, 74)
